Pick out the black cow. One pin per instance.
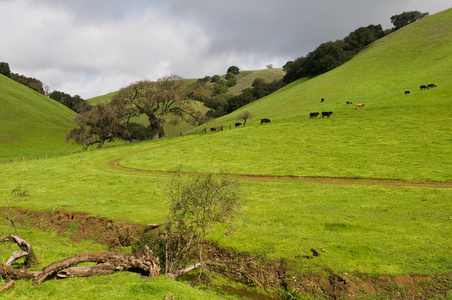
(321, 100)
(423, 87)
(313, 115)
(238, 124)
(265, 121)
(326, 113)
(407, 92)
(431, 85)
(213, 129)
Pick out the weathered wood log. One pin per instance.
(28, 253)
(183, 271)
(18, 273)
(145, 262)
(96, 270)
(9, 284)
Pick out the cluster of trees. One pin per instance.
(76, 103)
(330, 55)
(169, 95)
(407, 17)
(33, 83)
(222, 103)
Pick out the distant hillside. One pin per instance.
(174, 127)
(378, 76)
(30, 123)
(245, 78)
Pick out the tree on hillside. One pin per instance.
(32, 83)
(245, 116)
(231, 79)
(234, 70)
(4, 69)
(96, 126)
(76, 103)
(169, 95)
(406, 18)
(362, 37)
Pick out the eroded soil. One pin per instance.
(249, 269)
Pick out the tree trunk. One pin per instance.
(28, 253)
(154, 123)
(101, 144)
(144, 262)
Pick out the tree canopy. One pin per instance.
(168, 95)
(96, 126)
(406, 18)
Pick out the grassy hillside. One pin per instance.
(245, 79)
(298, 175)
(30, 123)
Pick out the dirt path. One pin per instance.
(116, 165)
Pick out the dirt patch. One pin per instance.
(277, 277)
(80, 226)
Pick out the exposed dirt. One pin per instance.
(80, 226)
(246, 268)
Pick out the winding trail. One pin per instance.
(116, 165)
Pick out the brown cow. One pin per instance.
(349, 102)
(359, 105)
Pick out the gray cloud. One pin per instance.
(92, 47)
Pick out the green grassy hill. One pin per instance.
(245, 79)
(30, 123)
(369, 188)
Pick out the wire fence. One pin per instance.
(40, 155)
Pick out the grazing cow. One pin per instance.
(265, 121)
(431, 85)
(349, 102)
(359, 105)
(326, 113)
(423, 87)
(217, 128)
(321, 100)
(313, 115)
(407, 92)
(238, 124)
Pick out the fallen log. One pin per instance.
(145, 262)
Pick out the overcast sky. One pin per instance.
(93, 47)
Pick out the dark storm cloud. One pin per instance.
(92, 47)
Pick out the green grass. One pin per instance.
(245, 79)
(30, 123)
(373, 229)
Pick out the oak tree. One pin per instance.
(168, 95)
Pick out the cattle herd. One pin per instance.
(423, 87)
(324, 113)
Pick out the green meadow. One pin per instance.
(374, 218)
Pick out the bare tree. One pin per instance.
(196, 205)
(245, 116)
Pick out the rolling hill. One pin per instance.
(369, 188)
(30, 123)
